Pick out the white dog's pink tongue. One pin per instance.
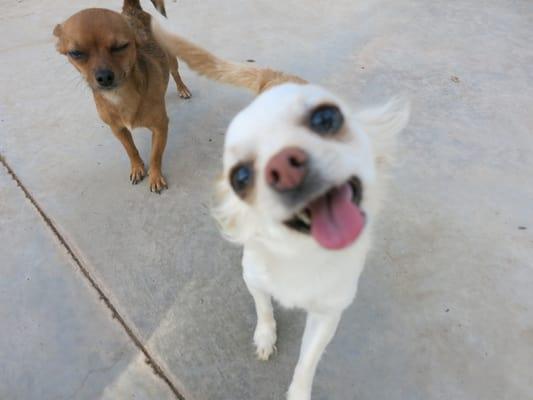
(335, 220)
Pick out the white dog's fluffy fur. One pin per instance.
(279, 261)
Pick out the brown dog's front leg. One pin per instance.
(137, 166)
(159, 141)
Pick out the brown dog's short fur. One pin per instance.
(128, 73)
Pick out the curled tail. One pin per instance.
(136, 5)
(212, 67)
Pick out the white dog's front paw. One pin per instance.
(265, 340)
(298, 392)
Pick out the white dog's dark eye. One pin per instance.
(326, 119)
(241, 178)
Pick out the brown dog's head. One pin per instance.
(100, 44)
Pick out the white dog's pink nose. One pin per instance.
(287, 169)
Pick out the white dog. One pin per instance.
(300, 190)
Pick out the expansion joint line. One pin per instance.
(116, 315)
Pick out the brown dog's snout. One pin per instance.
(287, 169)
(104, 77)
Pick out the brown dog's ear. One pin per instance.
(58, 30)
(58, 33)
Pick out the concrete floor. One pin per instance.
(445, 308)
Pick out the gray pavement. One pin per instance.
(58, 340)
(445, 308)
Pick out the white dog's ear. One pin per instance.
(230, 213)
(383, 124)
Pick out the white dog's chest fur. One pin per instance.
(314, 279)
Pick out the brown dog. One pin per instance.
(128, 73)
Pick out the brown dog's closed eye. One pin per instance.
(119, 47)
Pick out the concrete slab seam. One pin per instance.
(156, 368)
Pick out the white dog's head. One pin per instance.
(300, 165)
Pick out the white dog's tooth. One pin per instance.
(304, 217)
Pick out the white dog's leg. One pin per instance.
(319, 330)
(265, 331)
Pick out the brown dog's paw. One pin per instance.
(183, 91)
(137, 173)
(157, 182)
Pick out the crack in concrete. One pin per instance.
(88, 374)
(158, 371)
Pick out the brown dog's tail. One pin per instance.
(210, 66)
(136, 4)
